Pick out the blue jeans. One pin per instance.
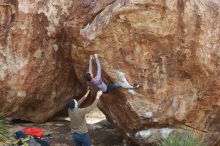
(111, 87)
(81, 139)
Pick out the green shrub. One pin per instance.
(180, 139)
(4, 130)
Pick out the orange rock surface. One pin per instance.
(170, 47)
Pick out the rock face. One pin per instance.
(36, 73)
(171, 47)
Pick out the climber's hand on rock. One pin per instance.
(91, 57)
(96, 56)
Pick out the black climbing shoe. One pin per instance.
(135, 86)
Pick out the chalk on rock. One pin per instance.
(155, 120)
(148, 115)
(122, 79)
(132, 92)
(144, 133)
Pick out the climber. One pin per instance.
(77, 117)
(97, 81)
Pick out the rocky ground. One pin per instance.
(102, 133)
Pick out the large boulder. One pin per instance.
(36, 71)
(170, 47)
(37, 75)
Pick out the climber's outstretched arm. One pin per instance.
(90, 64)
(98, 76)
(83, 98)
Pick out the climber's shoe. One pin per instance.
(135, 86)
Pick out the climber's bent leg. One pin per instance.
(123, 82)
(127, 85)
(112, 87)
